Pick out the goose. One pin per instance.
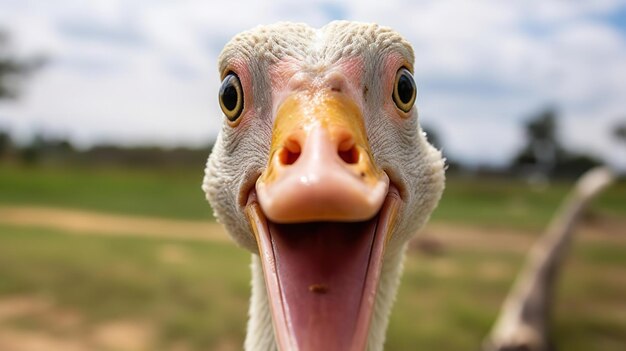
(322, 171)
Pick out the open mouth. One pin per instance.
(321, 218)
(322, 277)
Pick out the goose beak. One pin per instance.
(322, 213)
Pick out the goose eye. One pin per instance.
(231, 97)
(404, 90)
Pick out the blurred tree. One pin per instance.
(539, 155)
(6, 144)
(31, 153)
(543, 156)
(12, 70)
(619, 132)
(572, 165)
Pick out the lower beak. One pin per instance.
(322, 278)
(322, 213)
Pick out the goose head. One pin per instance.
(322, 170)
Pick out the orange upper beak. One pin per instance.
(322, 213)
(321, 167)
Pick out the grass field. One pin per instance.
(142, 192)
(98, 292)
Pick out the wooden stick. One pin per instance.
(523, 321)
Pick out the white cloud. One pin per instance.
(139, 71)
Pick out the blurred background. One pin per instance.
(108, 110)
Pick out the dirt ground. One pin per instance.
(87, 222)
(452, 235)
(63, 325)
(63, 328)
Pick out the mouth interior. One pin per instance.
(322, 277)
(322, 270)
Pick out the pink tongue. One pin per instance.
(322, 270)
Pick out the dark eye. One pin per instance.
(404, 90)
(231, 97)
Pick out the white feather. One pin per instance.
(401, 149)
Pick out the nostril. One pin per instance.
(288, 158)
(350, 156)
(347, 150)
(290, 153)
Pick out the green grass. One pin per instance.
(445, 303)
(454, 308)
(513, 203)
(166, 193)
(127, 191)
(201, 299)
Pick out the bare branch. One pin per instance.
(523, 321)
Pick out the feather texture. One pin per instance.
(398, 145)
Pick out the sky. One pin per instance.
(144, 71)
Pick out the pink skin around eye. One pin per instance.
(284, 77)
(282, 72)
(353, 69)
(391, 65)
